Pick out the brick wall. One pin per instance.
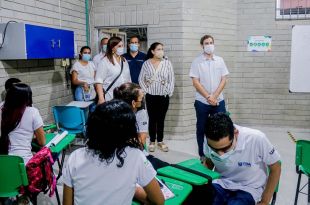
(219, 19)
(164, 21)
(45, 77)
(259, 83)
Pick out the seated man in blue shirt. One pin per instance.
(135, 58)
(241, 155)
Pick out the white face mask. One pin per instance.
(208, 49)
(120, 51)
(159, 54)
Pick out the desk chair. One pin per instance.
(302, 162)
(13, 175)
(70, 118)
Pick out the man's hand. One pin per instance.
(212, 100)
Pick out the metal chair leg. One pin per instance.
(274, 198)
(308, 190)
(297, 188)
(57, 196)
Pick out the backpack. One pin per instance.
(40, 173)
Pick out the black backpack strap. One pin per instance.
(193, 171)
(122, 65)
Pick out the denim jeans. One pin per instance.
(227, 197)
(78, 94)
(202, 113)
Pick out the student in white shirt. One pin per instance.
(101, 54)
(241, 155)
(157, 81)
(112, 71)
(83, 74)
(209, 76)
(20, 123)
(108, 169)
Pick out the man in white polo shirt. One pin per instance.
(209, 75)
(241, 155)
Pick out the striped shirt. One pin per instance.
(159, 81)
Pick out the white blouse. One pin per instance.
(159, 81)
(107, 72)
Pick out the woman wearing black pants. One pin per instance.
(157, 81)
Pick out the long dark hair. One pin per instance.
(113, 41)
(110, 129)
(127, 92)
(152, 48)
(18, 97)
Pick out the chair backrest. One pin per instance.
(302, 157)
(69, 118)
(12, 175)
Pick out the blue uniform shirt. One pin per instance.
(135, 65)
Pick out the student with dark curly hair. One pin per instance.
(108, 169)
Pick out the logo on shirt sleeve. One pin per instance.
(272, 151)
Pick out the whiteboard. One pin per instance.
(300, 59)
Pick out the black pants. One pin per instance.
(157, 107)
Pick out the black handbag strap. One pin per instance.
(122, 65)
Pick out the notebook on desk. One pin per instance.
(80, 104)
(56, 139)
(165, 190)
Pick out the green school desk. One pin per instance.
(188, 177)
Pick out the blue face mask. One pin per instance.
(86, 57)
(222, 158)
(104, 48)
(133, 47)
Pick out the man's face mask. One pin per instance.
(228, 151)
(104, 48)
(208, 49)
(133, 47)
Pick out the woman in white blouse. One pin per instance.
(112, 71)
(157, 81)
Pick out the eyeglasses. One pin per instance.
(223, 149)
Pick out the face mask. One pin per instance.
(208, 49)
(133, 47)
(86, 57)
(120, 51)
(222, 158)
(104, 48)
(159, 54)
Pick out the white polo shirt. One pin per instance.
(209, 72)
(106, 73)
(246, 168)
(95, 182)
(97, 58)
(142, 121)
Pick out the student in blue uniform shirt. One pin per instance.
(135, 58)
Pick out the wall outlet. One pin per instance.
(63, 62)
